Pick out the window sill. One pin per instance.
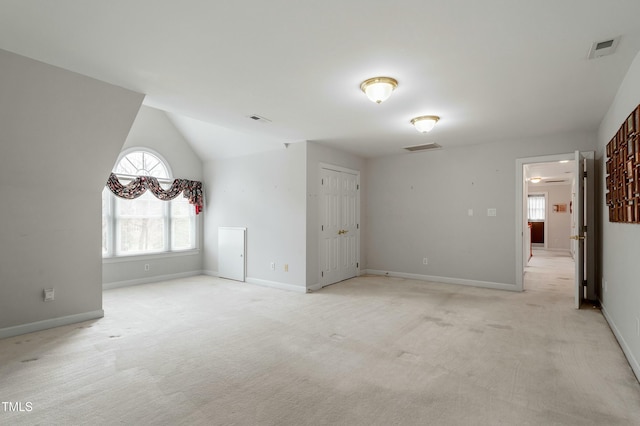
(151, 256)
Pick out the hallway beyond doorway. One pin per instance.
(552, 272)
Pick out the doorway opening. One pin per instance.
(567, 213)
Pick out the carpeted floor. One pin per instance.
(368, 351)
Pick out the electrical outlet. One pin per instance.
(286, 267)
(146, 266)
(425, 261)
(273, 266)
(491, 212)
(49, 294)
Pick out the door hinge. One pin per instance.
(584, 174)
(357, 264)
(357, 186)
(584, 228)
(358, 226)
(584, 283)
(322, 227)
(321, 181)
(322, 273)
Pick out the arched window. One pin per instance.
(145, 225)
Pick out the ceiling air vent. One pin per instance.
(259, 118)
(424, 147)
(603, 48)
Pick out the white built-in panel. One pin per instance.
(232, 253)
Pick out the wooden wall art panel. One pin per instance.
(623, 172)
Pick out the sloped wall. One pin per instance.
(60, 133)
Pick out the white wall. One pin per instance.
(60, 134)
(152, 129)
(266, 193)
(559, 222)
(417, 206)
(621, 242)
(317, 154)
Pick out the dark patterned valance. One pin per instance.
(192, 189)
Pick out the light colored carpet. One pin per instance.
(368, 351)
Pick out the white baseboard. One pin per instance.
(446, 280)
(315, 287)
(210, 273)
(633, 362)
(154, 279)
(50, 323)
(275, 284)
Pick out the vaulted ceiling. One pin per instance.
(491, 69)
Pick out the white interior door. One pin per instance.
(231, 253)
(579, 235)
(339, 227)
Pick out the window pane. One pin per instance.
(141, 225)
(182, 224)
(141, 163)
(536, 207)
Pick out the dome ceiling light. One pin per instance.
(378, 89)
(425, 123)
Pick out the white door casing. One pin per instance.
(339, 224)
(587, 214)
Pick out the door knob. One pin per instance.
(342, 231)
(576, 237)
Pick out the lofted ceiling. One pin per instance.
(492, 70)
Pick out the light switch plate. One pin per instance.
(49, 294)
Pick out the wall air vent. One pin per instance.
(424, 147)
(603, 48)
(259, 118)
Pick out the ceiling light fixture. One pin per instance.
(535, 180)
(563, 161)
(425, 123)
(378, 89)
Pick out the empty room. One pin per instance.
(309, 213)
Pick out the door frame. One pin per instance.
(333, 167)
(520, 203)
(590, 255)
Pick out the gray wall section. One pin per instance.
(61, 133)
(417, 206)
(153, 129)
(620, 242)
(266, 193)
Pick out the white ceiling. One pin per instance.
(492, 69)
(550, 173)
